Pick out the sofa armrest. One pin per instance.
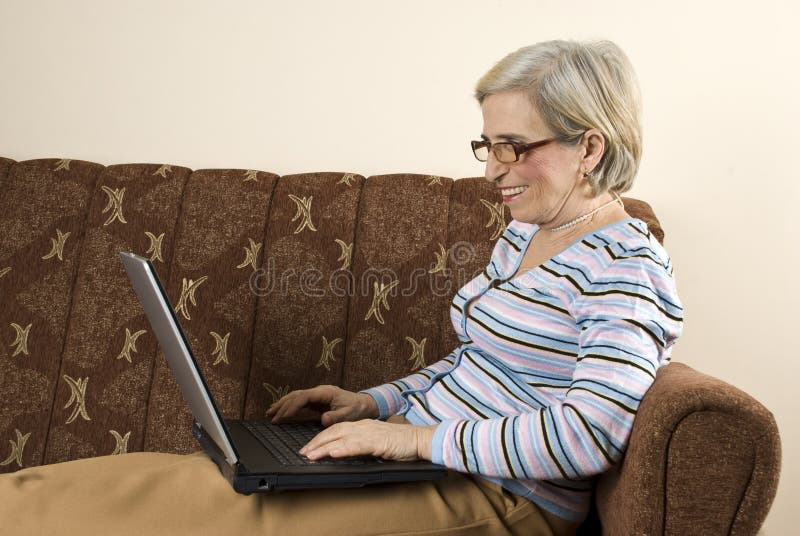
(703, 458)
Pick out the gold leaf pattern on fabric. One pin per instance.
(78, 396)
(250, 175)
(303, 212)
(62, 164)
(57, 248)
(21, 338)
(496, 218)
(380, 297)
(130, 344)
(45, 297)
(434, 179)
(4, 271)
(188, 289)
(347, 179)
(120, 394)
(163, 170)
(221, 348)
(122, 442)
(63, 445)
(38, 397)
(326, 357)
(346, 254)
(229, 307)
(441, 260)
(417, 352)
(276, 392)
(155, 246)
(16, 448)
(250, 255)
(114, 204)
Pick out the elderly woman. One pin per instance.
(563, 332)
(561, 336)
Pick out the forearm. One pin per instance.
(518, 448)
(387, 396)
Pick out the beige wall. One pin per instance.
(378, 87)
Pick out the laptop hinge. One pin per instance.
(211, 447)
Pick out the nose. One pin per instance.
(495, 170)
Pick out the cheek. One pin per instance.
(537, 174)
(545, 175)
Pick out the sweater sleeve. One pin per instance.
(628, 317)
(388, 395)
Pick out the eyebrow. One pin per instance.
(507, 137)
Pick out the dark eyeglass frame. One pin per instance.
(519, 148)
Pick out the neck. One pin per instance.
(576, 203)
(588, 217)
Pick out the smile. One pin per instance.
(509, 194)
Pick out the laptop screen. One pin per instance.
(176, 349)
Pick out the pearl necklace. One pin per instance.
(579, 219)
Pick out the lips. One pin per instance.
(509, 194)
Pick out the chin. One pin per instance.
(521, 215)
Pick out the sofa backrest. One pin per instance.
(279, 282)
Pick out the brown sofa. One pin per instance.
(286, 282)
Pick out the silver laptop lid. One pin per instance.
(162, 318)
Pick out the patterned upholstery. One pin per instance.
(102, 391)
(301, 318)
(43, 210)
(279, 282)
(287, 282)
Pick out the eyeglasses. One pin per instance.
(504, 151)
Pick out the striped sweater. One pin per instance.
(541, 394)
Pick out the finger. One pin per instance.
(281, 402)
(319, 396)
(275, 406)
(334, 449)
(278, 407)
(332, 417)
(290, 407)
(339, 448)
(341, 440)
(326, 436)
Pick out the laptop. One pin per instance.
(254, 456)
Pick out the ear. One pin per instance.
(594, 145)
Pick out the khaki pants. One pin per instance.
(149, 493)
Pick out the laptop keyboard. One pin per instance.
(284, 440)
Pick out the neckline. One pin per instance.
(535, 229)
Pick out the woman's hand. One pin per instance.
(336, 405)
(400, 442)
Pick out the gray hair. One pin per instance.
(576, 86)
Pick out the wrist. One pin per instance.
(424, 438)
(369, 407)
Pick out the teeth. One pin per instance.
(513, 191)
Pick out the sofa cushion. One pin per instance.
(43, 209)
(301, 322)
(218, 245)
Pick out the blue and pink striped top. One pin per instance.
(541, 394)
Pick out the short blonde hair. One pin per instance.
(576, 86)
